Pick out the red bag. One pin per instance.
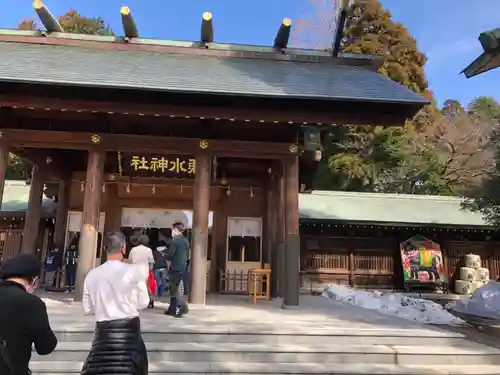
(151, 282)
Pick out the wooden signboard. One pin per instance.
(161, 166)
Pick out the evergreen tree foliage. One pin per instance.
(374, 158)
(74, 23)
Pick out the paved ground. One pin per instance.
(235, 313)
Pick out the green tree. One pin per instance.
(73, 22)
(374, 158)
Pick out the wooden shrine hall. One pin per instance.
(119, 125)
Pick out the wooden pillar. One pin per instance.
(268, 226)
(87, 247)
(272, 224)
(292, 242)
(32, 222)
(61, 214)
(216, 258)
(280, 239)
(4, 161)
(113, 213)
(201, 206)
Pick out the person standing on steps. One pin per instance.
(115, 293)
(142, 256)
(70, 261)
(23, 316)
(161, 267)
(178, 254)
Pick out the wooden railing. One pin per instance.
(357, 262)
(233, 282)
(10, 242)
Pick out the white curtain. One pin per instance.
(139, 217)
(244, 227)
(75, 221)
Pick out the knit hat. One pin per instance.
(25, 266)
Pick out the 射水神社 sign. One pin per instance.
(158, 166)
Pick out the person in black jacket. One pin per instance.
(161, 267)
(23, 316)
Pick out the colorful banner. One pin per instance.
(422, 260)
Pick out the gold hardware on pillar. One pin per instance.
(153, 190)
(251, 192)
(293, 148)
(82, 186)
(112, 177)
(127, 188)
(96, 138)
(1, 134)
(104, 188)
(228, 191)
(203, 144)
(48, 160)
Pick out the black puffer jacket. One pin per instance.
(117, 348)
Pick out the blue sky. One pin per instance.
(446, 30)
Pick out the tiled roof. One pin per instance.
(190, 73)
(387, 209)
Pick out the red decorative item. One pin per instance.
(151, 282)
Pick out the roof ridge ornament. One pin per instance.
(48, 20)
(283, 34)
(207, 29)
(129, 26)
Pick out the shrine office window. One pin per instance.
(244, 240)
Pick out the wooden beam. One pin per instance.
(129, 26)
(283, 34)
(207, 28)
(340, 113)
(143, 144)
(48, 20)
(114, 178)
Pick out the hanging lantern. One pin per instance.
(312, 138)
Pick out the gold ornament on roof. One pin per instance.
(95, 138)
(203, 144)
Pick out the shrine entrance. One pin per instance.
(243, 147)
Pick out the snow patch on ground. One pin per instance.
(395, 304)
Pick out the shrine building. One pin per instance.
(123, 130)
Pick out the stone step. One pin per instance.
(297, 353)
(171, 368)
(326, 336)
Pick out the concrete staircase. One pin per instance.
(192, 349)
